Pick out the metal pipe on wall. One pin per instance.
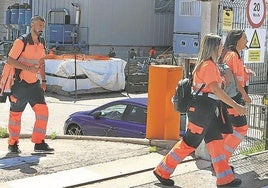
(77, 13)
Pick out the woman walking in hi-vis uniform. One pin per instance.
(230, 59)
(207, 118)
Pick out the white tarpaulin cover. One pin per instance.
(106, 74)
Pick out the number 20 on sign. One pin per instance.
(256, 12)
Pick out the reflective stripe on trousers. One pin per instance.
(40, 125)
(14, 127)
(223, 171)
(231, 141)
(167, 166)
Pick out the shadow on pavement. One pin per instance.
(252, 179)
(164, 186)
(22, 163)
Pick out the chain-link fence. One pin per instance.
(256, 138)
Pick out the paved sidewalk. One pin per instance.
(101, 162)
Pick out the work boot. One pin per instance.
(43, 147)
(14, 148)
(167, 182)
(235, 183)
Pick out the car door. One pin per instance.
(133, 123)
(110, 119)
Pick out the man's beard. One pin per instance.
(38, 33)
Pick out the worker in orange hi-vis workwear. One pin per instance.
(236, 41)
(152, 53)
(27, 87)
(207, 118)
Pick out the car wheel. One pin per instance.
(74, 129)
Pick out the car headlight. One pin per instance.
(69, 119)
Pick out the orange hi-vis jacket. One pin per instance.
(7, 79)
(30, 57)
(207, 74)
(236, 64)
(152, 52)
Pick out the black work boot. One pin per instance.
(167, 182)
(43, 147)
(235, 183)
(14, 148)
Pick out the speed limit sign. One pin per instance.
(256, 12)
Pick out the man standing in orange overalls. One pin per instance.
(27, 88)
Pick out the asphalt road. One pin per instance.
(60, 107)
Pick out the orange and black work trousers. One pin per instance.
(240, 128)
(203, 117)
(23, 93)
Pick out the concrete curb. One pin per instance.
(167, 144)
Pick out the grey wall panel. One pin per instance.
(120, 23)
(117, 22)
(187, 16)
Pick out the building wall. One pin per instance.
(123, 24)
(192, 20)
(119, 23)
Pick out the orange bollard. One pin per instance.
(163, 122)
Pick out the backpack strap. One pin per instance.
(198, 91)
(25, 41)
(42, 40)
(191, 81)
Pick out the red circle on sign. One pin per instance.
(256, 25)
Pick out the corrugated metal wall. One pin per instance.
(119, 23)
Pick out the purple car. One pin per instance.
(120, 118)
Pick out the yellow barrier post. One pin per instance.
(163, 122)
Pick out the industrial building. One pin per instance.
(122, 24)
(95, 26)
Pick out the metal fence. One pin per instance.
(258, 83)
(257, 136)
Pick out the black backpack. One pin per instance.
(183, 95)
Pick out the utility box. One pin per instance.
(163, 122)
